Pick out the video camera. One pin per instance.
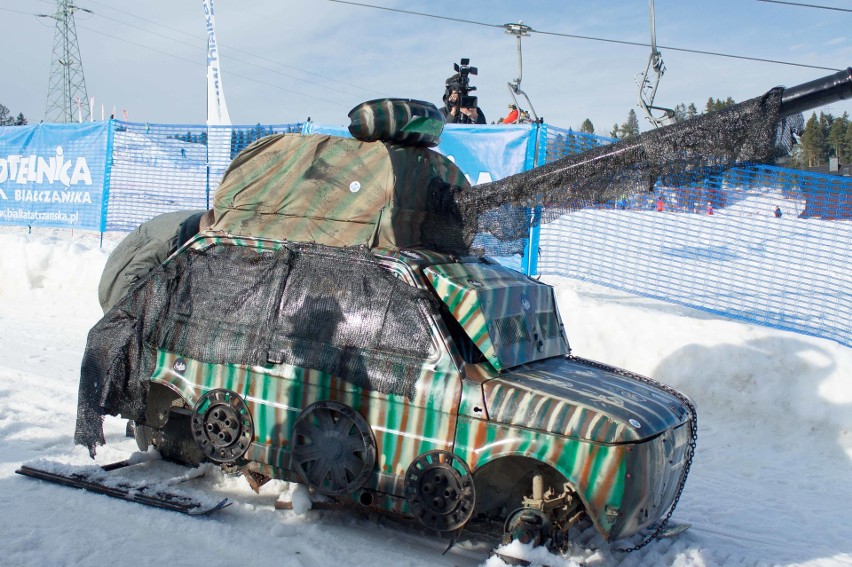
(461, 83)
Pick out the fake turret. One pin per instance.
(384, 188)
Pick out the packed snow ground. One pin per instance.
(770, 484)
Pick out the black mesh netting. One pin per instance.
(334, 310)
(498, 213)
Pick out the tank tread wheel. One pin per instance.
(222, 426)
(439, 490)
(333, 448)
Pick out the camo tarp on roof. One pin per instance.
(342, 192)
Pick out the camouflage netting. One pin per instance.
(335, 310)
(678, 154)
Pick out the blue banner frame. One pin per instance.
(54, 175)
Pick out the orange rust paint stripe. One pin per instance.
(403, 426)
(586, 470)
(604, 487)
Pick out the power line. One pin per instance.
(231, 49)
(200, 48)
(230, 73)
(592, 38)
(807, 5)
(417, 13)
(17, 12)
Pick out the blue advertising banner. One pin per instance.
(487, 153)
(53, 175)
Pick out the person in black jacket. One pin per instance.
(453, 111)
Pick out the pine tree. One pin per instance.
(714, 104)
(813, 143)
(587, 127)
(5, 116)
(836, 138)
(825, 122)
(615, 132)
(846, 156)
(631, 127)
(691, 111)
(710, 106)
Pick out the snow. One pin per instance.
(770, 484)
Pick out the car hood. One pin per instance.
(584, 399)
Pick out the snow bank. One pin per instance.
(769, 484)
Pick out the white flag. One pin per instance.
(217, 110)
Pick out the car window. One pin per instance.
(343, 313)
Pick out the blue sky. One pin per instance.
(285, 60)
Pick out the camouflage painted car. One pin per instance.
(333, 328)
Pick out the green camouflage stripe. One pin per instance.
(336, 191)
(466, 309)
(570, 398)
(275, 396)
(595, 471)
(511, 318)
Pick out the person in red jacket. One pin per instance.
(513, 116)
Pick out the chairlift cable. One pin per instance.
(807, 5)
(424, 14)
(592, 38)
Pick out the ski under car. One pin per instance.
(99, 480)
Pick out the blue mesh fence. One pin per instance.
(561, 142)
(719, 245)
(159, 168)
(789, 271)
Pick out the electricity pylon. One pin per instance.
(67, 100)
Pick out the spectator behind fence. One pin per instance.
(778, 212)
(453, 111)
(709, 208)
(513, 117)
(146, 248)
(661, 205)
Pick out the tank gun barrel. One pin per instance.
(817, 93)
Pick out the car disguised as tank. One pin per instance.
(334, 327)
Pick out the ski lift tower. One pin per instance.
(66, 92)
(519, 30)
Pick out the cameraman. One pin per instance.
(453, 111)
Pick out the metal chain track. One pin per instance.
(693, 425)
